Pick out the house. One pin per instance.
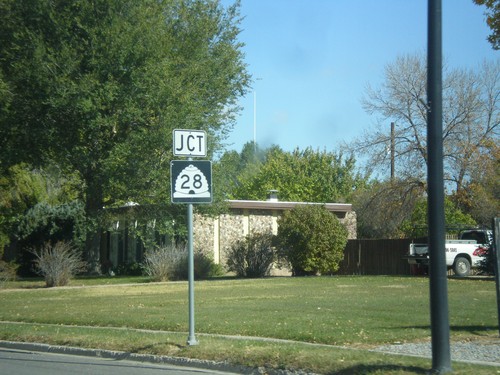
(212, 235)
(217, 235)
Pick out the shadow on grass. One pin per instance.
(381, 369)
(488, 278)
(472, 329)
(77, 281)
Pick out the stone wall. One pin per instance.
(351, 223)
(217, 235)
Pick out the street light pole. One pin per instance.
(255, 122)
(440, 326)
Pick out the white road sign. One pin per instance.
(191, 143)
(191, 181)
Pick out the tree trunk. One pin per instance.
(93, 204)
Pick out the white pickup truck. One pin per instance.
(461, 255)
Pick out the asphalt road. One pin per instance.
(21, 362)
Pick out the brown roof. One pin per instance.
(279, 205)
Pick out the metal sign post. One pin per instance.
(191, 338)
(191, 182)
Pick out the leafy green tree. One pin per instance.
(47, 222)
(482, 200)
(233, 167)
(311, 239)
(492, 20)
(481, 196)
(22, 188)
(416, 225)
(98, 87)
(308, 175)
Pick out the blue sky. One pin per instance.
(312, 59)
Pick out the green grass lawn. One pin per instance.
(353, 312)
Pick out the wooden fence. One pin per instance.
(376, 257)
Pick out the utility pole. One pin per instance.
(393, 150)
(440, 326)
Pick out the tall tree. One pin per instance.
(233, 167)
(99, 85)
(22, 188)
(481, 196)
(471, 118)
(492, 20)
(307, 175)
(417, 224)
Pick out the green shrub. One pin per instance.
(123, 269)
(58, 263)
(204, 267)
(7, 272)
(63, 222)
(311, 239)
(44, 223)
(489, 253)
(253, 256)
(487, 264)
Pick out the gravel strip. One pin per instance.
(487, 352)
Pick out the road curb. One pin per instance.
(147, 358)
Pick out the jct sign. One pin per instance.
(191, 143)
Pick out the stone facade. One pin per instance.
(217, 235)
(213, 235)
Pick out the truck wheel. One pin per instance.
(461, 267)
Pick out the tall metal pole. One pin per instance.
(191, 338)
(440, 327)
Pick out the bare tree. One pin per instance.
(481, 197)
(471, 119)
(471, 114)
(385, 206)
